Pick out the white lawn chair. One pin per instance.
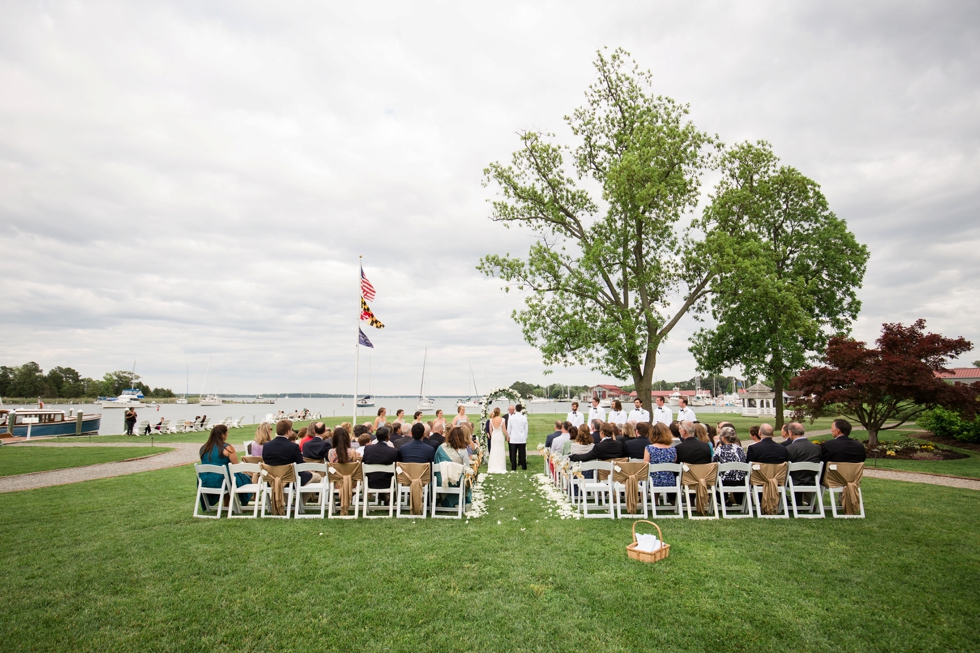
(838, 492)
(404, 498)
(663, 491)
(206, 426)
(368, 491)
(202, 491)
(815, 509)
(333, 492)
(311, 488)
(744, 509)
(164, 426)
(782, 508)
(141, 427)
(255, 489)
(247, 447)
(602, 491)
(690, 494)
(456, 512)
(266, 496)
(620, 490)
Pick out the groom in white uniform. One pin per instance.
(517, 430)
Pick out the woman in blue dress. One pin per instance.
(661, 451)
(216, 451)
(453, 450)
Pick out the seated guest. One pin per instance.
(436, 439)
(558, 444)
(660, 451)
(217, 451)
(359, 430)
(712, 437)
(628, 432)
(596, 426)
(280, 450)
(753, 435)
(801, 450)
(405, 438)
(551, 436)
(675, 431)
(395, 433)
(607, 449)
(159, 425)
(380, 453)
(701, 433)
(305, 435)
(453, 450)
(636, 442)
(317, 447)
(691, 450)
(766, 450)
(416, 451)
(363, 440)
(842, 449)
(341, 450)
(582, 444)
(729, 451)
(262, 435)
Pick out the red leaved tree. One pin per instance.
(893, 384)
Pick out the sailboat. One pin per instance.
(475, 400)
(130, 397)
(211, 399)
(424, 403)
(187, 382)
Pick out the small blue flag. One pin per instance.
(363, 339)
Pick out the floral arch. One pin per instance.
(488, 399)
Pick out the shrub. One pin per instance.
(949, 424)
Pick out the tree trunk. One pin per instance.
(778, 389)
(872, 436)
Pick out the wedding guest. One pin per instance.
(842, 449)
(607, 449)
(453, 450)
(363, 441)
(583, 443)
(628, 432)
(380, 453)
(262, 435)
(399, 416)
(460, 416)
(801, 450)
(786, 436)
(359, 430)
(551, 436)
(304, 436)
(341, 450)
(440, 419)
(436, 439)
(636, 442)
(729, 451)
(405, 438)
(381, 419)
(395, 432)
(753, 435)
(691, 450)
(347, 426)
(701, 433)
(281, 450)
(661, 451)
(217, 451)
(130, 418)
(317, 447)
(675, 431)
(369, 426)
(416, 451)
(617, 415)
(596, 436)
(558, 444)
(766, 450)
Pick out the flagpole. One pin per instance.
(357, 340)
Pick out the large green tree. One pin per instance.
(609, 276)
(789, 270)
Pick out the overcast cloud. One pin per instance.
(181, 179)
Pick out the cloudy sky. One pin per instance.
(187, 179)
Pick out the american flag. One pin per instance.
(367, 290)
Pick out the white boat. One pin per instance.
(365, 402)
(675, 397)
(472, 402)
(424, 403)
(130, 398)
(183, 400)
(259, 399)
(210, 400)
(538, 400)
(605, 403)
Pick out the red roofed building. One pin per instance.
(607, 392)
(967, 375)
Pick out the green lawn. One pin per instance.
(120, 564)
(962, 467)
(22, 460)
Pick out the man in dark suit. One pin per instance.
(691, 450)
(416, 451)
(436, 438)
(842, 449)
(317, 448)
(787, 436)
(766, 450)
(636, 447)
(406, 437)
(548, 440)
(596, 434)
(379, 453)
(280, 450)
(607, 449)
(801, 450)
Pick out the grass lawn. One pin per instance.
(120, 564)
(22, 460)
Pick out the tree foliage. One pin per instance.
(790, 269)
(29, 380)
(606, 281)
(896, 382)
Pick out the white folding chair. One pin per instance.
(602, 491)
(266, 495)
(377, 492)
(743, 509)
(141, 427)
(663, 491)
(815, 509)
(247, 448)
(455, 512)
(318, 488)
(620, 490)
(838, 493)
(202, 491)
(782, 509)
(690, 490)
(333, 492)
(255, 489)
(404, 499)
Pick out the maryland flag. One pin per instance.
(367, 314)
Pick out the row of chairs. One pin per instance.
(698, 488)
(342, 493)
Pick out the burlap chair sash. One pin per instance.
(700, 477)
(630, 475)
(312, 460)
(252, 459)
(344, 476)
(277, 476)
(415, 476)
(847, 476)
(771, 477)
(602, 475)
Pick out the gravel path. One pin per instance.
(930, 479)
(183, 453)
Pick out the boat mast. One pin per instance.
(205, 384)
(422, 385)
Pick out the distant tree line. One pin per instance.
(29, 380)
(722, 383)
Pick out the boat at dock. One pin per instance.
(130, 398)
(49, 422)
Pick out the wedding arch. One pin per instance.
(489, 398)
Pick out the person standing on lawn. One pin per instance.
(517, 428)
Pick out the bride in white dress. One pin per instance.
(498, 444)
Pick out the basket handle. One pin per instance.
(660, 536)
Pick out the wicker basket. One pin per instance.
(644, 556)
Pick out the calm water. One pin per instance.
(112, 418)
